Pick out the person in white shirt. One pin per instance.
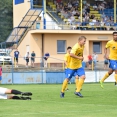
(27, 56)
(95, 56)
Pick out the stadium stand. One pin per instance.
(95, 15)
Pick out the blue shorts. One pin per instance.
(72, 72)
(66, 73)
(0, 77)
(113, 64)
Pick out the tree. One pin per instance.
(6, 19)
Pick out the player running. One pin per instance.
(67, 63)
(76, 55)
(112, 45)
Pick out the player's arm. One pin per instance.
(65, 60)
(77, 57)
(106, 50)
(105, 53)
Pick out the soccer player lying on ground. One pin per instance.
(76, 66)
(112, 45)
(67, 64)
(5, 94)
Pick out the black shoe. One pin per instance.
(25, 98)
(26, 94)
(62, 95)
(78, 94)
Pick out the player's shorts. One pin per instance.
(71, 72)
(113, 64)
(0, 77)
(2, 93)
(16, 59)
(66, 73)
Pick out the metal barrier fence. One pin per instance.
(52, 73)
(51, 64)
(50, 25)
(40, 63)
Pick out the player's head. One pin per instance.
(69, 49)
(82, 40)
(115, 36)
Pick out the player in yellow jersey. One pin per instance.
(112, 45)
(67, 63)
(76, 59)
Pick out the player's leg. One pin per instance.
(81, 74)
(76, 79)
(105, 77)
(115, 74)
(69, 75)
(112, 67)
(18, 97)
(66, 88)
(17, 92)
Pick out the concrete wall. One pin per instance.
(49, 77)
(19, 11)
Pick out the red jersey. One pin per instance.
(89, 57)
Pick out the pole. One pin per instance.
(114, 11)
(81, 11)
(44, 14)
(12, 73)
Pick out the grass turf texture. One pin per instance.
(46, 101)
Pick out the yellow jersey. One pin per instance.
(112, 45)
(67, 59)
(74, 62)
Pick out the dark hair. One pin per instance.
(69, 47)
(114, 33)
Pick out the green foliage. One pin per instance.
(46, 101)
(6, 19)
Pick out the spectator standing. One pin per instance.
(16, 56)
(46, 56)
(89, 61)
(95, 56)
(33, 55)
(105, 63)
(27, 58)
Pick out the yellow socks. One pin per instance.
(80, 83)
(64, 85)
(105, 77)
(76, 81)
(116, 78)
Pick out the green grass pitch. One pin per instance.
(46, 101)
